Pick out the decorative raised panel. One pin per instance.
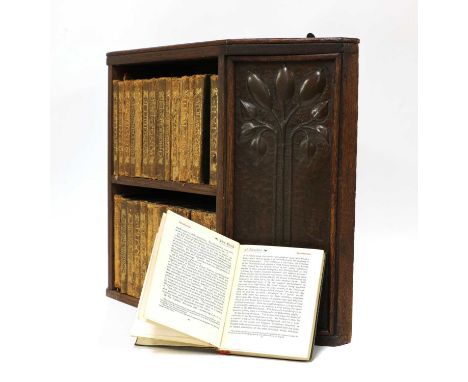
(268, 112)
(284, 148)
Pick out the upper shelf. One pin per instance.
(199, 189)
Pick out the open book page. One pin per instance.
(191, 280)
(145, 330)
(274, 302)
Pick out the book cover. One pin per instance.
(115, 127)
(130, 248)
(167, 129)
(127, 138)
(183, 155)
(153, 141)
(123, 246)
(117, 240)
(175, 117)
(199, 94)
(143, 241)
(160, 126)
(132, 110)
(213, 127)
(137, 93)
(145, 165)
(136, 249)
(121, 130)
(190, 128)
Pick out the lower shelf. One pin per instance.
(116, 295)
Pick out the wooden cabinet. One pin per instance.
(287, 129)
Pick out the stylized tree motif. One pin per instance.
(281, 108)
(270, 114)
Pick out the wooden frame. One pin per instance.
(219, 57)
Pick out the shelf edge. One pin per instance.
(190, 188)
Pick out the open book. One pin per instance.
(203, 289)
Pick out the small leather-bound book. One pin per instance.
(115, 127)
(137, 94)
(175, 122)
(199, 94)
(167, 128)
(159, 86)
(145, 157)
(183, 128)
(203, 289)
(213, 128)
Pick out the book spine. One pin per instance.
(167, 131)
(143, 240)
(205, 218)
(153, 145)
(137, 93)
(213, 128)
(210, 220)
(130, 247)
(136, 249)
(127, 138)
(145, 165)
(197, 216)
(160, 124)
(115, 127)
(182, 211)
(132, 128)
(190, 130)
(175, 115)
(159, 210)
(117, 209)
(121, 149)
(149, 231)
(184, 90)
(198, 128)
(123, 246)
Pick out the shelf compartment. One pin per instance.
(191, 188)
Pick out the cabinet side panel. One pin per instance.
(110, 202)
(222, 142)
(346, 195)
(285, 152)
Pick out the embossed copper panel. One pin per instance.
(285, 156)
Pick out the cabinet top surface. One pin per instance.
(254, 41)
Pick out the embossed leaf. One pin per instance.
(259, 145)
(284, 84)
(319, 111)
(311, 87)
(259, 91)
(248, 109)
(306, 150)
(247, 128)
(323, 131)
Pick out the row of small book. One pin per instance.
(166, 128)
(136, 223)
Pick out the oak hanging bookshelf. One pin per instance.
(286, 151)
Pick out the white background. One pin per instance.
(410, 309)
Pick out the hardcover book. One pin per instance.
(203, 289)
